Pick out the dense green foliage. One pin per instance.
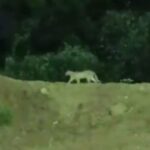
(5, 116)
(125, 42)
(31, 31)
(52, 67)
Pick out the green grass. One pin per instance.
(76, 116)
(5, 116)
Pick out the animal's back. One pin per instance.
(89, 72)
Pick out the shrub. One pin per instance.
(124, 45)
(76, 58)
(52, 66)
(5, 116)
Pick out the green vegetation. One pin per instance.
(116, 42)
(52, 67)
(42, 39)
(77, 116)
(120, 50)
(5, 116)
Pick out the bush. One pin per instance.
(124, 45)
(76, 58)
(52, 66)
(5, 116)
(115, 27)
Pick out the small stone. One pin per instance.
(126, 97)
(55, 122)
(44, 91)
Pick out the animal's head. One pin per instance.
(68, 73)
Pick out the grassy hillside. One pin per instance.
(59, 116)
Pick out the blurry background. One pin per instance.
(41, 39)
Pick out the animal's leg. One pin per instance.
(78, 81)
(70, 80)
(88, 80)
(96, 78)
(93, 80)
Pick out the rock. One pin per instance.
(44, 91)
